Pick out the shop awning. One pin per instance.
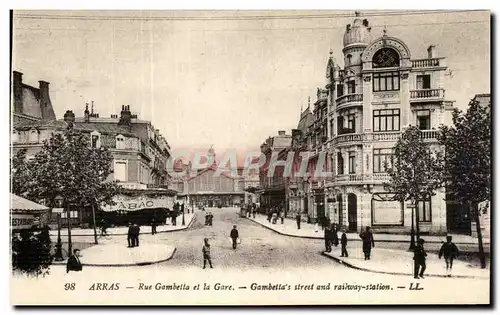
(21, 204)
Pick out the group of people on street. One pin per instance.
(251, 210)
(209, 218)
(274, 213)
(234, 235)
(133, 235)
(448, 251)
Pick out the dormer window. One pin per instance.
(95, 139)
(120, 142)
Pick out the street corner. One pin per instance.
(118, 255)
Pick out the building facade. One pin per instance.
(356, 121)
(139, 151)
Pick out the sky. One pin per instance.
(227, 82)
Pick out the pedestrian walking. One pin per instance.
(74, 263)
(368, 242)
(210, 219)
(130, 235)
(234, 236)
(206, 218)
(449, 251)
(343, 242)
(174, 218)
(136, 232)
(282, 216)
(297, 218)
(328, 240)
(269, 215)
(335, 236)
(419, 255)
(206, 254)
(104, 228)
(153, 226)
(275, 217)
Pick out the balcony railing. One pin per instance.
(427, 93)
(349, 178)
(386, 136)
(356, 137)
(348, 98)
(429, 134)
(425, 63)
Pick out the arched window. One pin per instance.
(385, 58)
(349, 59)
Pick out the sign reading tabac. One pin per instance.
(124, 203)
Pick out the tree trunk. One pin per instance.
(95, 228)
(417, 220)
(482, 257)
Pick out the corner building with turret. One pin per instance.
(381, 90)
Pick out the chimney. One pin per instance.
(86, 113)
(17, 90)
(45, 103)
(125, 116)
(69, 116)
(432, 52)
(281, 132)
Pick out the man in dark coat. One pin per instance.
(328, 240)
(419, 255)
(136, 232)
(297, 218)
(450, 251)
(130, 238)
(234, 236)
(174, 218)
(153, 226)
(334, 234)
(74, 263)
(206, 254)
(368, 242)
(343, 242)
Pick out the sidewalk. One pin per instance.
(110, 253)
(123, 229)
(307, 230)
(398, 262)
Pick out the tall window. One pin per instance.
(352, 162)
(351, 123)
(424, 210)
(340, 164)
(349, 59)
(340, 90)
(423, 82)
(386, 120)
(332, 126)
(120, 171)
(340, 125)
(424, 119)
(351, 87)
(380, 157)
(385, 81)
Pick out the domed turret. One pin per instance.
(358, 32)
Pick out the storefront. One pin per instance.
(139, 206)
(26, 214)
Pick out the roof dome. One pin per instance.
(358, 32)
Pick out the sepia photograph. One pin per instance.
(248, 158)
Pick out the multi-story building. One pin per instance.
(272, 188)
(28, 102)
(359, 117)
(139, 151)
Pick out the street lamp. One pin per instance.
(58, 255)
(412, 206)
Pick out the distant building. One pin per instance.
(29, 103)
(140, 154)
(202, 187)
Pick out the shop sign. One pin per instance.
(139, 203)
(23, 221)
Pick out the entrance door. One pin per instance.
(210, 203)
(320, 206)
(457, 217)
(352, 212)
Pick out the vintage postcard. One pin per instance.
(250, 157)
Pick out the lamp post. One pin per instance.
(183, 220)
(411, 205)
(58, 255)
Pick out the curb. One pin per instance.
(356, 240)
(340, 261)
(145, 263)
(142, 233)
